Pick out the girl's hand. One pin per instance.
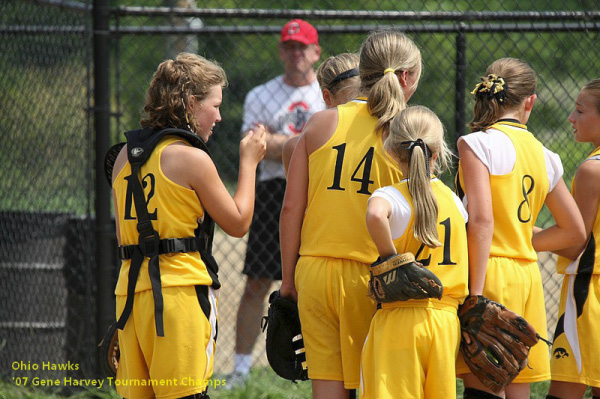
(254, 146)
(288, 291)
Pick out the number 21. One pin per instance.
(447, 258)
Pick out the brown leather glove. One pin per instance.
(498, 341)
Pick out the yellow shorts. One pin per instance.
(576, 349)
(409, 353)
(178, 364)
(517, 284)
(335, 313)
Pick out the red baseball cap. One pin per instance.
(300, 31)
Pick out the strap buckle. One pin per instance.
(149, 240)
(172, 246)
(124, 252)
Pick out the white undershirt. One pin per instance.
(401, 210)
(497, 152)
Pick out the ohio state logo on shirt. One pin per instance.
(298, 114)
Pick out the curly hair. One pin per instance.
(172, 85)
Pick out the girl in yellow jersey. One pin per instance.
(326, 251)
(505, 177)
(339, 81)
(410, 350)
(181, 183)
(575, 359)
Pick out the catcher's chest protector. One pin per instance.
(140, 144)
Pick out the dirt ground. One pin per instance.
(230, 253)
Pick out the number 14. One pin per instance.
(365, 163)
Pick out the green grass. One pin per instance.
(8, 390)
(262, 384)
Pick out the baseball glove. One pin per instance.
(109, 353)
(495, 341)
(400, 278)
(109, 160)
(285, 346)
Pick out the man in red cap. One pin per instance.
(299, 50)
(283, 105)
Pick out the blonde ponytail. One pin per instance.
(424, 202)
(381, 51)
(415, 136)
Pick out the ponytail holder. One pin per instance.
(410, 145)
(492, 86)
(389, 70)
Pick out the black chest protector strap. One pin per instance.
(140, 144)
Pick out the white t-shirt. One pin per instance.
(497, 152)
(401, 210)
(283, 109)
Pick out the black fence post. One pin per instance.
(80, 323)
(461, 82)
(103, 230)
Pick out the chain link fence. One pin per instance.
(46, 217)
(47, 187)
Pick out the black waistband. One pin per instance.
(165, 246)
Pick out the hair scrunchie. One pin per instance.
(492, 86)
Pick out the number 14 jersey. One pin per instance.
(343, 174)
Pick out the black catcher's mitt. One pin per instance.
(400, 278)
(498, 341)
(109, 160)
(285, 346)
(108, 352)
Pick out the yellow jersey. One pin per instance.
(174, 210)
(343, 174)
(450, 262)
(589, 261)
(518, 196)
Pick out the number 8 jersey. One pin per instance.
(522, 176)
(342, 175)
